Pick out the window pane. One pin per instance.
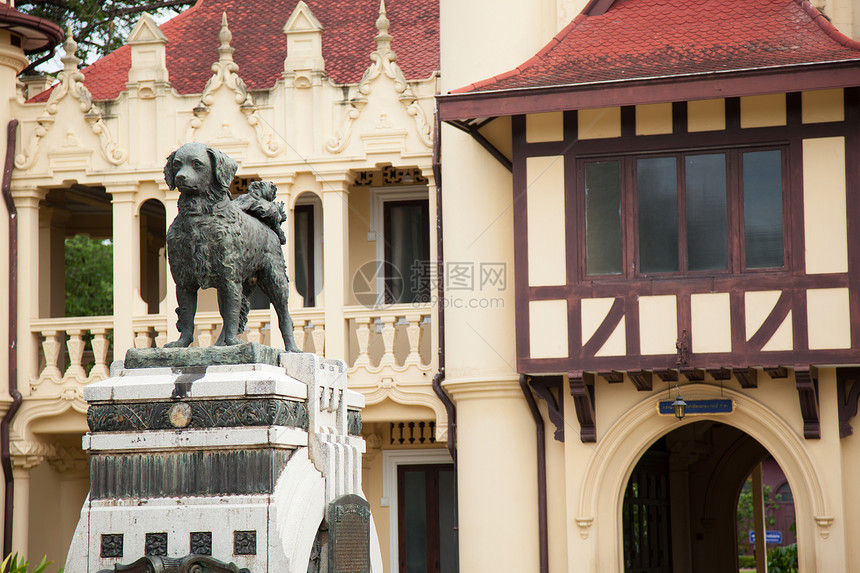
(762, 187)
(707, 244)
(415, 521)
(304, 244)
(603, 218)
(407, 236)
(657, 190)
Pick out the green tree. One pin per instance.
(98, 27)
(89, 277)
(746, 516)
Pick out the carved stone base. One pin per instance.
(247, 353)
(187, 564)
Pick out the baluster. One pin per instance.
(253, 334)
(100, 349)
(388, 340)
(413, 333)
(160, 337)
(75, 346)
(362, 334)
(51, 350)
(299, 333)
(318, 335)
(141, 338)
(205, 337)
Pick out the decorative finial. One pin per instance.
(382, 22)
(70, 60)
(225, 36)
(383, 38)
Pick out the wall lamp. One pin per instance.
(679, 406)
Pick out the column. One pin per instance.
(27, 205)
(126, 263)
(497, 476)
(21, 466)
(335, 199)
(284, 185)
(168, 306)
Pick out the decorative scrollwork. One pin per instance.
(204, 414)
(384, 62)
(71, 83)
(224, 74)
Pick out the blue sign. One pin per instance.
(712, 406)
(772, 537)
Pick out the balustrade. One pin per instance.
(79, 350)
(74, 350)
(396, 336)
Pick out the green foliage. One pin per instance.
(745, 514)
(99, 27)
(782, 559)
(13, 565)
(89, 277)
(746, 561)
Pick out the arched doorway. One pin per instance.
(679, 509)
(620, 446)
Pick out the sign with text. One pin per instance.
(699, 407)
(772, 537)
(349, 535)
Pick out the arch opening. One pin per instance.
(681, 501)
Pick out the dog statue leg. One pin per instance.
(230, 305)
(187, 300)
(274, 284)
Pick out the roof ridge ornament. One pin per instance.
(71, 82)
(225, 73)
(384, 62)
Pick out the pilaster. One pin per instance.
(495, 437)
(335, 199)
(126, 253)
(27, 201)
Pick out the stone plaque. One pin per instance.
(349, 535)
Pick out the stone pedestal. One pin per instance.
(223, 467)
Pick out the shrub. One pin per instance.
(782, 559)
(12, 565)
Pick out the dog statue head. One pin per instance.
(196, 169)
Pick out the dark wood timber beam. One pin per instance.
(776, 371)
(807, 392)
(721, 373)
(543, 387)
(848, 389)
(643, 380)
(747, 377)
(582, 390)
(613, 377)
(670, 375)
(693, 374)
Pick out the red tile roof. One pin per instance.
(640, 39)
(257, 27)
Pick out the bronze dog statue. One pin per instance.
(215, 242)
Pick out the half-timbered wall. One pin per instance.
(777, 284)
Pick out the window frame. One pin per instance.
(735, 235)
(379, 196)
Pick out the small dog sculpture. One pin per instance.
(231, 246)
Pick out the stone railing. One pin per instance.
(72, 349)
(309, 329)
(396, 336)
